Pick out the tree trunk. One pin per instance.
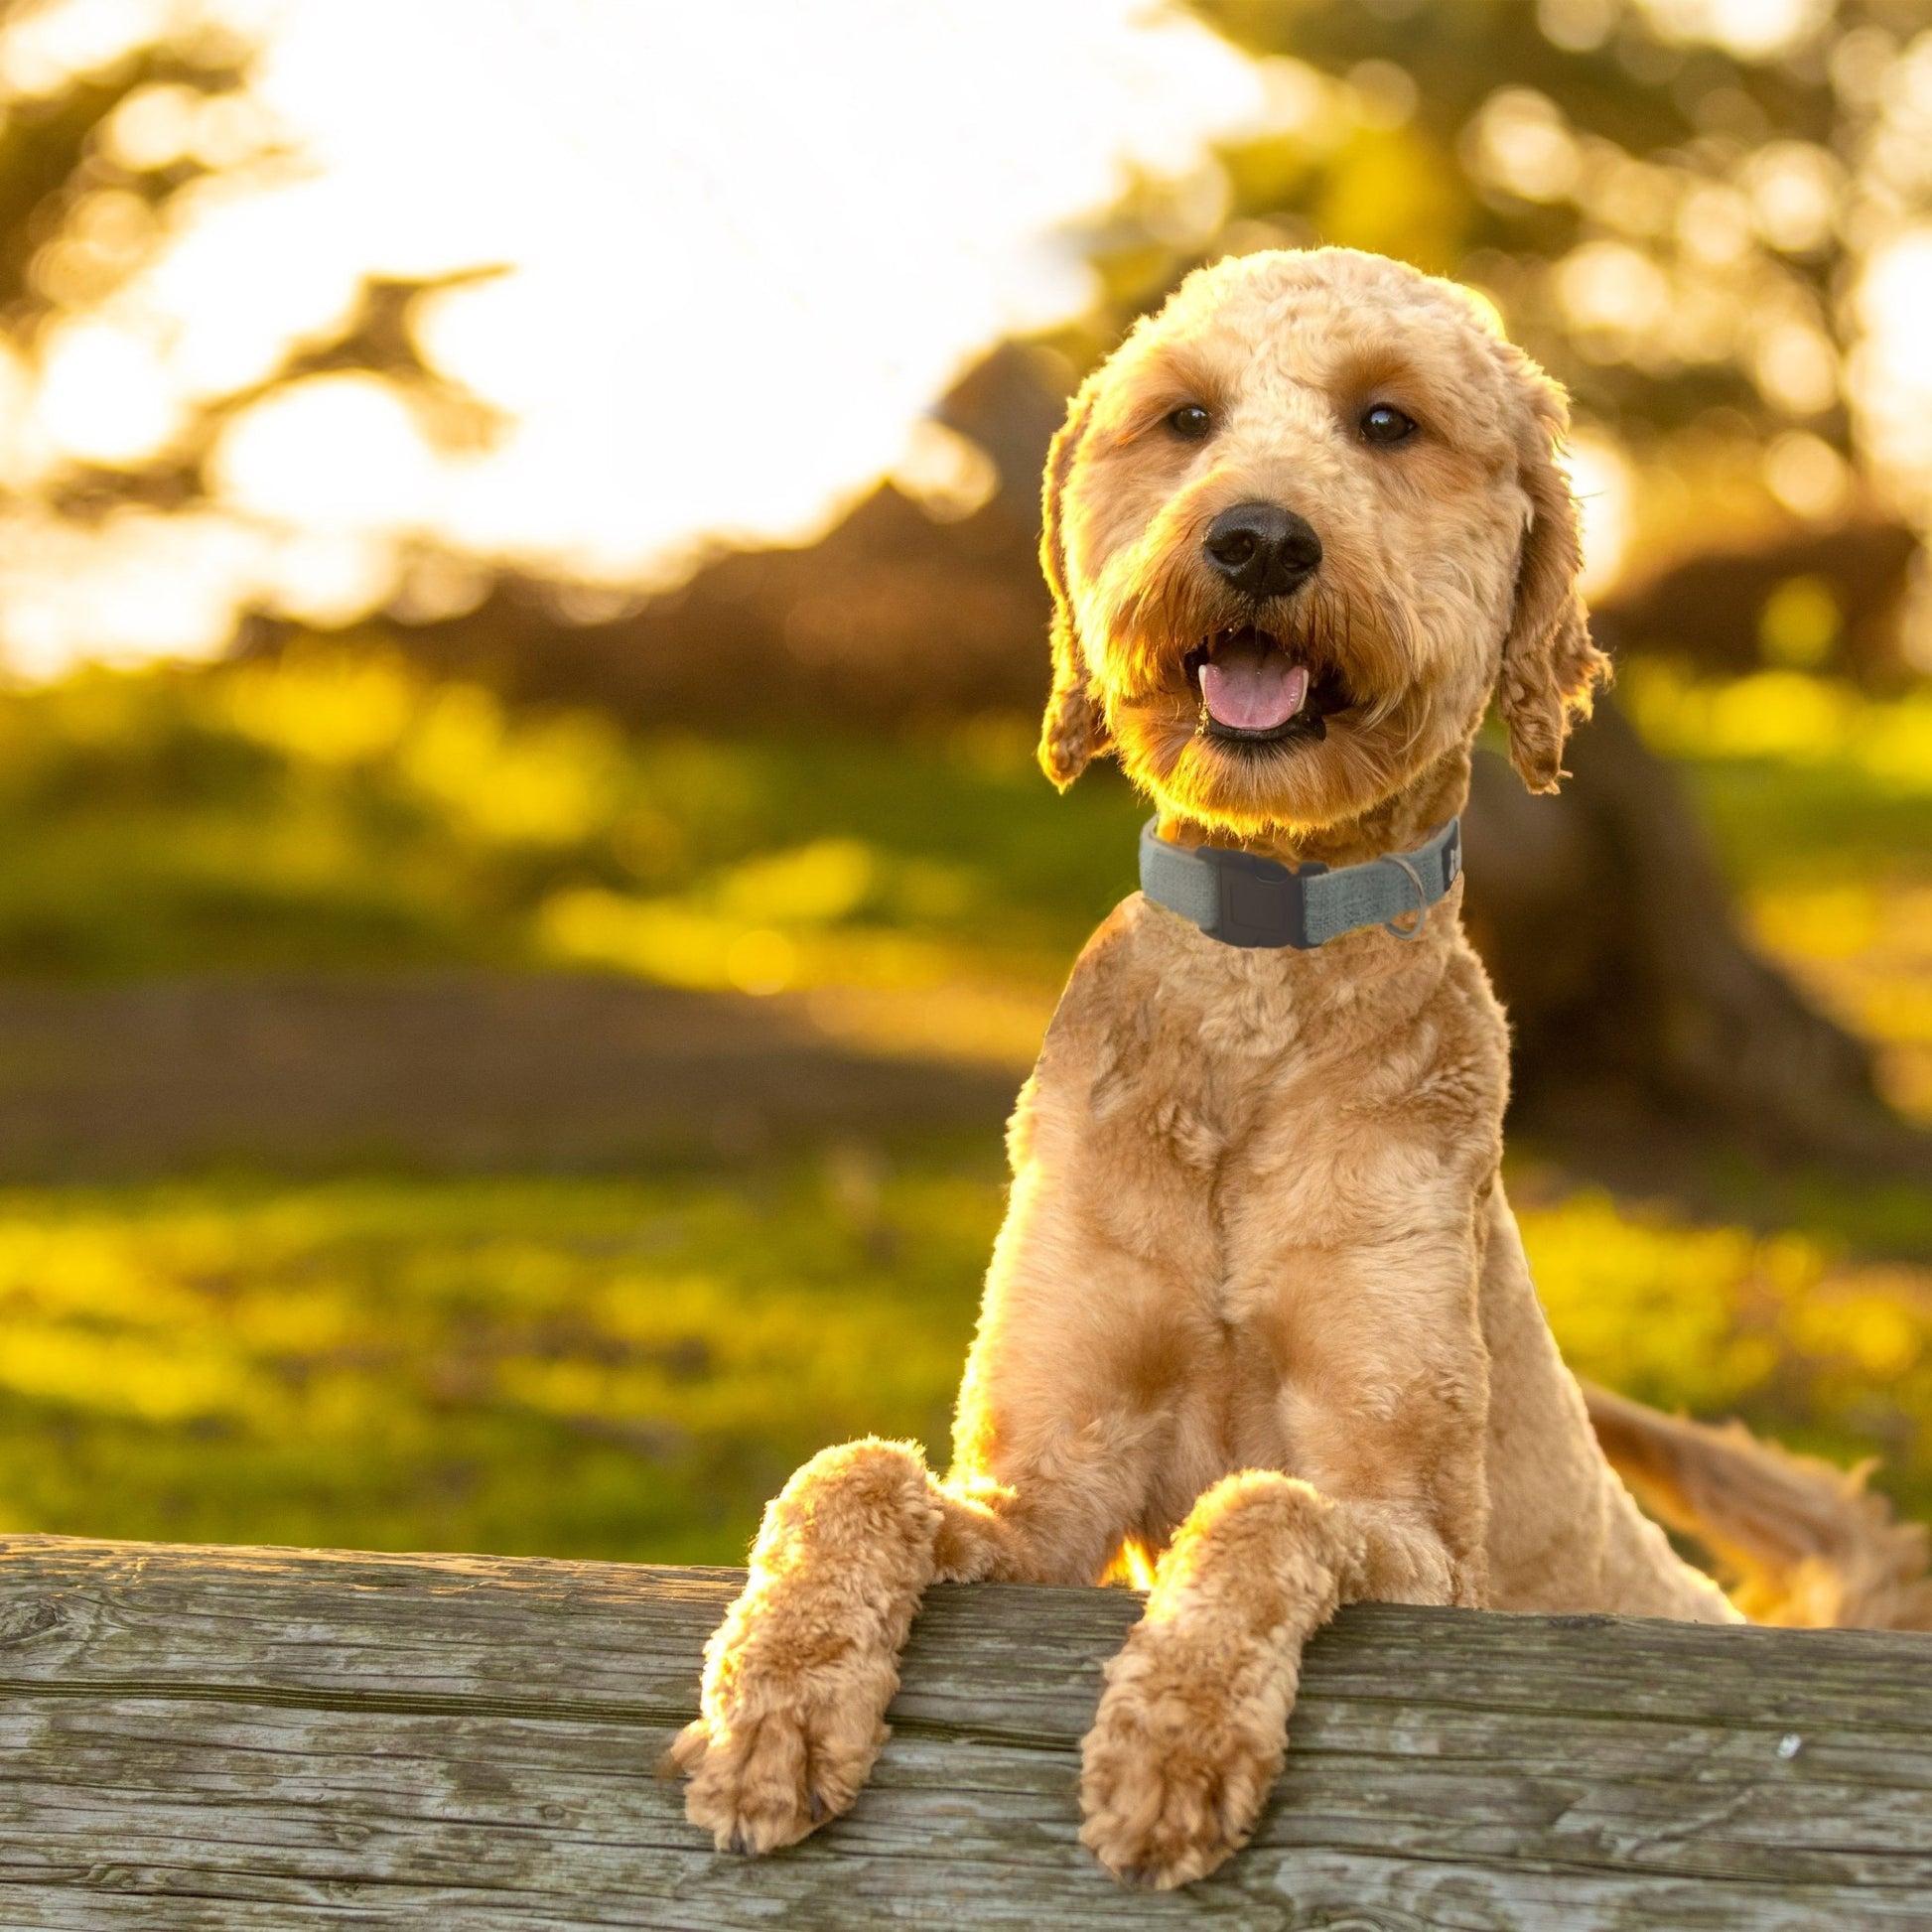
(1634, 998)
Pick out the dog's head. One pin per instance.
(1300, 527)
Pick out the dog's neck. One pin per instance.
(1399, 824)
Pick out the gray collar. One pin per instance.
(1243, 901)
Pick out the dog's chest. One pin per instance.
(1244, 1113)
(1199, 1080)
(1216, 1059)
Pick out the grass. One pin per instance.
(569, 1366)
(628, 1368)
(340, 808)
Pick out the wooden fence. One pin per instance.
(253, 1739)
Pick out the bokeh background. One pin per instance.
(524, 897)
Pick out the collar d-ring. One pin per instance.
(1421, 907)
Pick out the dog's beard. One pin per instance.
(1248, 670)
(1304, 709)
(1158, 604)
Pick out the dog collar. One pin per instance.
(1243, 901)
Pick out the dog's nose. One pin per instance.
(1261, 549)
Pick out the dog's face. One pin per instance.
(1298, 529)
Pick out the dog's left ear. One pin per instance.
(1073, 730)
(1550, 668)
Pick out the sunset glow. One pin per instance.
(711, 267)
(745, 248)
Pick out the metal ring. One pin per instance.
(1422, 900)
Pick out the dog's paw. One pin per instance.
(1173, 1771)
(761, 1782)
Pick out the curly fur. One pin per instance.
(1259, 1306)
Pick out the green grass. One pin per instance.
(573, 1367)
(338, 807)
(341, 810)
(1799, 778)
(1790, 1329)
(629, 1368)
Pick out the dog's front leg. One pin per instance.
(1052, 1471)
(1192, 1726)
(798, 1675)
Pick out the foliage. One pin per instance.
(1683, 208)
(100, 169)
(1672, 205)
(335, 807)
(628, 1369)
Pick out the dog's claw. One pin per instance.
(762, 1785)
(1173, 1774)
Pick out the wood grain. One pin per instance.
(248, 1739)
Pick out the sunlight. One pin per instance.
(331, 450)
(736, 254)
(1891, 377)
(746, 247)
(1747, 27)
(103, 393)
(1602, 479)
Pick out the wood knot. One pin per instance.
(22, 1622)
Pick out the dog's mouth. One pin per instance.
(1253, 691)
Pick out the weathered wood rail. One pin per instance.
(267, 1740)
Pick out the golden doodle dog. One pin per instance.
(1259, 1308)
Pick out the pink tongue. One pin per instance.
(1253, 691)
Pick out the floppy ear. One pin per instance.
(1074, 729)
(1550, 666)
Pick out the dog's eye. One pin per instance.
(1386, 424)
(1190, 422)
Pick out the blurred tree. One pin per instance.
(1681, 206)
(1676, 204)
(98, 170)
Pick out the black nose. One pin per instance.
(1261, 550)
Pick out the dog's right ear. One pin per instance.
(1073, 730)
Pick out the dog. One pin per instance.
(1258, 1314)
